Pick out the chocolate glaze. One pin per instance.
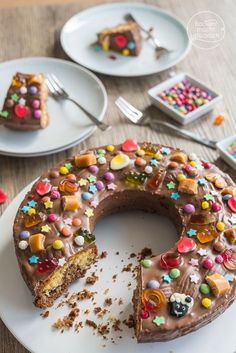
(127, 196)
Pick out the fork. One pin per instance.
(139, 118)
(155, 41)
(58, 92)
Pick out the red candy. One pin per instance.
(232, 203)
(207, 165)
(47, 265)
(186, 245)
(144, 314)
(21, 111)
(216, 207)
(120, 41)
(43, 187)
(170, 260)
(129, 145)
(3, 196)
(207, 263)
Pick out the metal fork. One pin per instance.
(155, 41)
(58, 92)
(139, 118)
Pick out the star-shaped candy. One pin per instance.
(45, 228)
(82, 182)
(194, 262)
(89, 212)
(159, 320)
(175, 195)
(33, 259)
(208, 197)
(25, 209)
(61, 261)
(92, 189)
(229, 277)
(92, 178)
(194, 278)
(69, 166)
(32, 203)
(171, 185)
(202, 182)
(153, 162)
(191, 232)
(22, 101)
(111, 186)
(165, 150)
(68, 221)
(202, 252)
(48, 204)
(166, 278)
(214, 193)
(94, 203)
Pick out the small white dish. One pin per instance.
(68, 124)
(80, 32)
(224, 153)
(173, 113)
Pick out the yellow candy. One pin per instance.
(63, 171)
(206, 302)
(120, 161)
(205, 205)
(110, 148)
(158, 156)
(31, 211)
(193, 163)
(140, 153)
(180, 177)
(125, 51)
(57, 244)
(220, 226)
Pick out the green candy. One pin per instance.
(198, 101)
(147, 263)
(4, 114)
(174, 273)
(15, 97)
(204, 288)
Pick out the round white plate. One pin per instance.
(67, 123)
(126, 233)
(81, 31)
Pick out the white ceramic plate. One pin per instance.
(68, 124)
(81, 31)
(126, 233)
(222, 148)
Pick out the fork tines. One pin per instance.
(129, 110)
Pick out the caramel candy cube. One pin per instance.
(179, 157)
(36, 242)
(188, 186)
(70, 203)
(207, 235)
(230, 234)
(219, 285)
(85, 160)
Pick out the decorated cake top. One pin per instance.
(57, 218)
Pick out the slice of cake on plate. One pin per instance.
(25, 103)
(124, 39)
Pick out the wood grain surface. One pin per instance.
(34, 31)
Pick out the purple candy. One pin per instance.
(189, 208)
(99, 185)
(33, 89)
(55, 194)
(24, 234)
(109, 176)
(37, 114)
(153, 284)
(93, 169)
(36, 104)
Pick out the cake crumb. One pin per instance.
(91, 323)
(103, 329)
(45, 314)
(127, 268)
(91, 279)
(103, 254)
(116, 325)
(85, 294)
(68, 320)
(145, 252)
(108, 301)
(129, 322)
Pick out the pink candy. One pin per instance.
(215, 206)
(207, 263)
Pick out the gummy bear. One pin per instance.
(47, 265)
(135, 179)
(207, 235)
(32, 220)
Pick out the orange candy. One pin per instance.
(66, 231)
(219, 119)
(155, 181)
(70, 203)
(207, 235)
(76, 222)
(154, 298)
(140, 162)
(68, 185)
(36, 242)
(219, 285)
(179, 157)
(188, 186)
(85, 160)
(71, 177)
(32, 220)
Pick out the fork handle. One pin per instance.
(99, 124)
(185, 133)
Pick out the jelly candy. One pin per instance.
(135, 178)
(230, 261)
(186, 245)
(129, 145)
(149, 149)
(202, 219)
(43, 187)
(32, 220)
(206, 235)
(47, 265)
(3, 196)
(21, 111)
(68, 186)
(232, 203)
(170, 260)
(155, 181)
(153, 299)
(120, 40)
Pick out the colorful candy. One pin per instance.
(120, 161)
(232, 149)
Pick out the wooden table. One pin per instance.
(34, 31)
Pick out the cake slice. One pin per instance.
(25, 103)
(124, 39)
